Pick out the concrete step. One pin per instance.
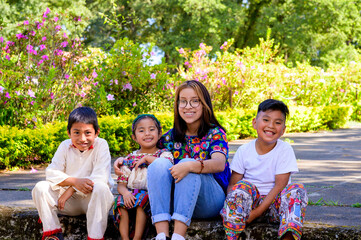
(22, 223)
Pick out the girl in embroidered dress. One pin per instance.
(132, 183)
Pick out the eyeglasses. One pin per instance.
(193, 103)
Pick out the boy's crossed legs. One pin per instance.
(288, 209)
(96, 206)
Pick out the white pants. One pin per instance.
(95, 205)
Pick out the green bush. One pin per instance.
(23, 148)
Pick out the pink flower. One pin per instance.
(58, 52)
(45, 57)
(52, 95)
(66, 76)
(17, 93)
(243, 81)
(19, 35)
(40, 62)
(116, 81)
(32, 102)
(43, 39)
(57, 27)
(29, 48)
(1, 89)
(32, 33)
(39, 25)
(236, 92)
(64, 35)
(64, 44)
(181, 51)
(56, 19)
(7, 95)
(127, 86)
(110, 97)
(134, 104)
(153, 76)
(26, 22)
(42, 47)
(46, 13)
(82, 94)
(342, 90)
(201, 45)
(34, 52)
(1, 39)
(7, 57)
(31, 93)
(33, 170)
(95, 74)
(95, 84)
(224, 45)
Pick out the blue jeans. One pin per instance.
(196, 195)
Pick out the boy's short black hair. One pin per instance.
(272, 104)
(83, 115)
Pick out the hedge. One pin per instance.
(24, 147)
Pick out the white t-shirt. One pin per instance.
(262, 169)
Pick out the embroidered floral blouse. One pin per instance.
(200, 148)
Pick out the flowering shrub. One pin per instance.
(246, 77)
(36, 68)
(45, 74)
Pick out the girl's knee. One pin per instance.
(159, 164)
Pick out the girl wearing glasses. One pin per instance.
(201, 172)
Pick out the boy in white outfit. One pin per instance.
(78, 180)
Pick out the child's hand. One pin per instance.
(117, 164)
(179, 171)
(84, 185)
(63, 198)
(136, 163)
(129, 199)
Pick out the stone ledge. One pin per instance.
(22, 223)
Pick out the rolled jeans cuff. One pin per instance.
(181, 218)
(161, 217)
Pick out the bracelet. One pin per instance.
(202, 165)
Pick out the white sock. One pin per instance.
(160, 236)
(176, 236)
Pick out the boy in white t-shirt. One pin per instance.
(260, 183)
(78, 180)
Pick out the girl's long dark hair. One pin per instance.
(208, 119)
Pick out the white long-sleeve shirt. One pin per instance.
(68, 161)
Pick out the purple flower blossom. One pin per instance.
(7, 95)
(52, 95)
(32, 33)
(31, 93)
(127, 86)
(64, 35)
(95, 74)
(64, 44)
(7, 57)
(26, 22)
(32, 102)
(236, 92)
(58, 52)
(56, 19)
(45, 57)
(1, 89)
(95, 84)
(40, 62)
(42, 47)
(110, 97)
(57, 27)
(17, 93)
(39, 25)
(29, 48)
(116, 81)
(82, 94)
(1, 39)
(224, 45)
(153, 76)
(19, 35)
(66, 76)
(124, 73)
(46, 13)
(181, 51)
(43, 39)
(201, 45)
(134, 104)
